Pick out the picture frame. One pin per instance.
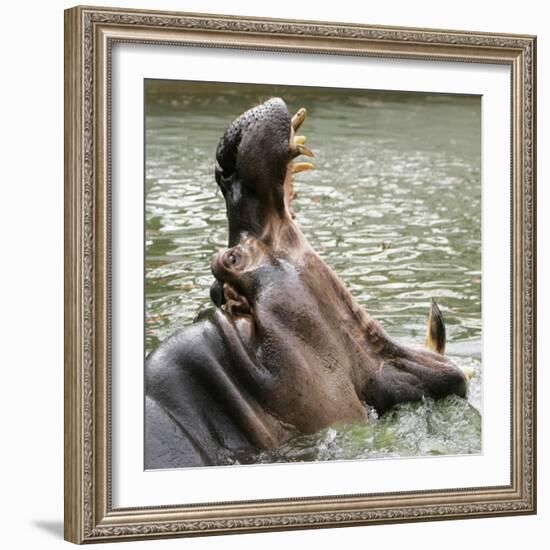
(90, 35)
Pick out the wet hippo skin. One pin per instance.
(286, 350)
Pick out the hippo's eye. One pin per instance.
(232, 258)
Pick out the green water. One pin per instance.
(394, 206)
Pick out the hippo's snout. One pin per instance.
(255, 147)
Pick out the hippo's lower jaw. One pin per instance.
(288, 350)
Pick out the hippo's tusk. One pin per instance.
(298, 150)
(299, 140)
(435, 334)
(298, 118)
(301, 166)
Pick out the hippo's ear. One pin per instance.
(435, 334)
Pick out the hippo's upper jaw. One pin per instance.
(254, 170)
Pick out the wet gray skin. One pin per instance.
(288, 351)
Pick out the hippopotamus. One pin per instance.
(286, 350)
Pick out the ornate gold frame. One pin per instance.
(89, 35)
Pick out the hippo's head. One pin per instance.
(290, 310)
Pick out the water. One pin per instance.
(394, 206)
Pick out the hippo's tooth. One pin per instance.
(301, 166)
(298, 150)
(298, 118)
(303, 150)
(299, 140)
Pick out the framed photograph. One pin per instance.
(300, 274)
